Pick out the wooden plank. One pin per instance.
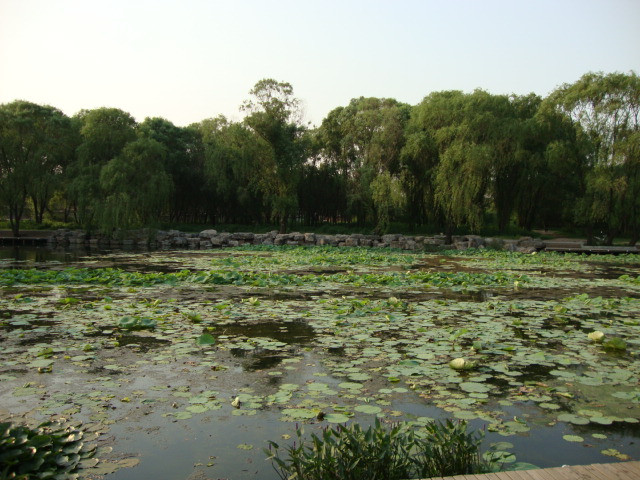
(610, 472)
(631, 468)
(491, 476)
(518, 475)
(602, 471)
(561, 473)
(581, 472)
(535, 475)
(613, 471)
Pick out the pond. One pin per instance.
(185, 363)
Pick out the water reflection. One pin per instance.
(17, 255)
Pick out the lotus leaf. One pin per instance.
(369, 409)
(614, 343)
(473, 387)
(206, 339)
(336, 418)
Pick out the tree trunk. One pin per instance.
(14, 219)
(448, 234)
(283, 223)
(590, 239)
(38, 208)
(611, 234)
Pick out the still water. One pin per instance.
(160, 399)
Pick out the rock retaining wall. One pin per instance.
(207, 239)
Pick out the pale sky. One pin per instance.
(187, 60)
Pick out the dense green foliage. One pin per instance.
(454, 161)
(111, 276)
(50, 451)
(397, 452)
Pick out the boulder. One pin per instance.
(351, 242)
(390, 238)
(206, 234)
(475, 241)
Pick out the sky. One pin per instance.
(187, 60)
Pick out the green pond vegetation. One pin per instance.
(395, 453)
(511, 343)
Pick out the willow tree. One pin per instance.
(104, 133)
(135, 186)
(234, 161)
(183, 162)
(461, 182)
(418, 161)
(607, 108)
(460, 158)
(363, 141)
(36, 142)
(275, 115)
(552, 169)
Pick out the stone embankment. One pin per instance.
(207, 239)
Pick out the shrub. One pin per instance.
(398, 452)
(447, 449)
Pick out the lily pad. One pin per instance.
(473, 387)
(369, 409)
(206, 339)
(336, 418)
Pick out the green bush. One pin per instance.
(49, 451)
(401, 451)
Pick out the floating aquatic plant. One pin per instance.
(615, 343)
(136, 323)
(461, 364)
(52, 450)
(596, 336)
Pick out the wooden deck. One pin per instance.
(597, 471)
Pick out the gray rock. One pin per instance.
(390, 238)
(461, 245)
(179, 242)
(475, 241)
(208, 233)
(410, 245)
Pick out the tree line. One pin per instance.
(454, 161)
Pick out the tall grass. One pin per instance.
(400, 451)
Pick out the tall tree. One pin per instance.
(551, 169)
(104, 133)
(607, 108)
(233, 170)
(274, 114)
(362, 141)
(36, 142)
(460, 125)
(419, 159)
(135, 186)
(184, 162)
